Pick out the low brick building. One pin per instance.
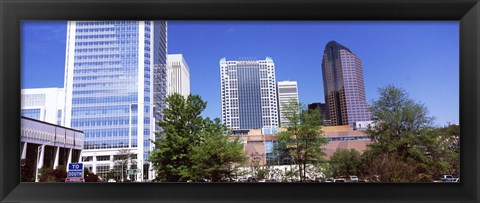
(259, 146)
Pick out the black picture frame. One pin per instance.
(14, 11)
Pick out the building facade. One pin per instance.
(178, 75)
(115, 87)
(44, 104)
(49, 145)
(248, 93)
(343, 84)
(287, 92)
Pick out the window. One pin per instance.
(103, 158)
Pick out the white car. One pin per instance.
(112, 181)
(340, 180)
(447, 178)
(353, 178)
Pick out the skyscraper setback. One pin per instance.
(248, 92)
(178, 75)
(343, 85)
(115, 87)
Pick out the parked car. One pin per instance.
(329, 180)
(112, 181)
(447, 178)
(340, 180)
(353, 178)
(252, 179)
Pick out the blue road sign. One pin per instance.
(75, 167)
(75, 170)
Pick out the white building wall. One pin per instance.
(178, 75)
(48, 100)
(287, 90)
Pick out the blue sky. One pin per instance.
(420, 57)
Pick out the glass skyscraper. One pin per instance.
(115, 87)
(343, 85)
(249, 96)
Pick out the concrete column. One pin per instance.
(24, 151)
(41, 158)
(94, 165)
(69, 156)
(57, 157)
(153, 174)
(112, 164)
(80, 157)
(129, 166)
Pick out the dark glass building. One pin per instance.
(343, 85)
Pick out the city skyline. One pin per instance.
(414, 53)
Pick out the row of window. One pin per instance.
(100, 100)
(130, 71)
(118, 23)
(106, 56)
(106, 49)
(108, 144)
(110, 42)
(333, 139)
(106, 63)
(111, 132)
(122, 35)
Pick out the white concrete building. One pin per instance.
(48, 144)
(178, 75)
(363, 125)
(44, 104)
(248, 93)
(287, 91)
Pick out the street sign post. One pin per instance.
(75, 173)
(133, 171)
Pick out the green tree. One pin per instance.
(345, 162)
(303, 138)
(89, 176)
(121, 161)
(27, 170)
(181, 127)
(450, 141)
(405, 147)
(190, 147)
(216, 154)
(52, 175)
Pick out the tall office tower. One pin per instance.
(249, 96)
(115, 87)
(287, 92)
(178, 75)
(343, 86)
(45, 104)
